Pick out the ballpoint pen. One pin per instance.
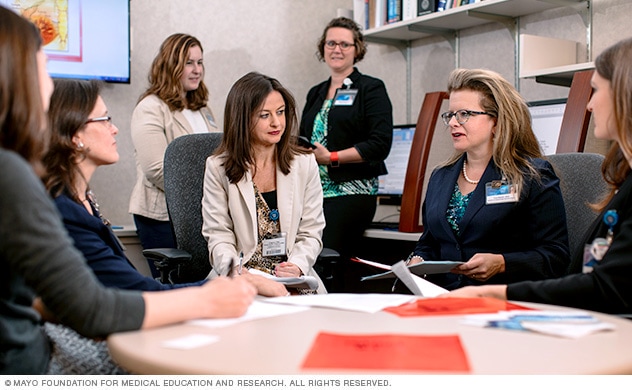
(241, 261)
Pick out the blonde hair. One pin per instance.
(515, 143)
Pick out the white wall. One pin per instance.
(278, 37)
(275, 37)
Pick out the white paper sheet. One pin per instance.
(368, 303)
(258, 309)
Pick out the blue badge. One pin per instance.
(610, 218)
(274, 215)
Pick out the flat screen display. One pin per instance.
(397, 161)
(546, 120)
(84, 39)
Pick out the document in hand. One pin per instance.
(423, 268)
(306, 281)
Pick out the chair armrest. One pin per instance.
(328, 253)
(167, 261)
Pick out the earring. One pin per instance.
(80, 145)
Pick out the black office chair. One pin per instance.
(581, 183)
(185, 160)
(184, 163)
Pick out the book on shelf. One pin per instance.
(425, 7)
(393, 11)
(377, 13)
(442, 5)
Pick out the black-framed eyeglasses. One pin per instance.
(343, 45)
(106, 119)
(461, 116)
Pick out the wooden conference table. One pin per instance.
(278, 345)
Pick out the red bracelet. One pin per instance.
(333, 159)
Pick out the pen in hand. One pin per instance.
(241, 261)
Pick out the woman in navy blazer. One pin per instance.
(607, 288)
(76, 151)
(496, 204)
(349, 118)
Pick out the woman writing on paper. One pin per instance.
(608, 288)
(37, 256)
(349, 118)
(262, 195)
(495, 204)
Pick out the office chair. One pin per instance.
(581, 183)
(185, 161)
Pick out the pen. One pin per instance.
(241, 261)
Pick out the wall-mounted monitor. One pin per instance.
(84, 39)
(391, 185)
(546, 120)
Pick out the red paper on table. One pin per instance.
(448, 306)
(388, 352)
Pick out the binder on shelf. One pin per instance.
(409, 9)
(359, 12)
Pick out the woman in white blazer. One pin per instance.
(262, 194)
(175, 104)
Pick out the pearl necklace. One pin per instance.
(467, 179)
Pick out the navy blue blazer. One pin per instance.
(531, 233)
(366, 125)
(608, 288)
(102, 251)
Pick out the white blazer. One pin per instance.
(230, 215)
(153, 127)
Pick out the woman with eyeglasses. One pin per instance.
(37, 256)
(349, 119)
(607, 288)
(496, 203)
(174, 104)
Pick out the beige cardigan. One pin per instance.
(154, 126)
(230, 216)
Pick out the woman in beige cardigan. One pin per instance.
(175, 104)
(262, 204)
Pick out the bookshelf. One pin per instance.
(447, 23)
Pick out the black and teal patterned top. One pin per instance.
(330, 188)
(456, 209)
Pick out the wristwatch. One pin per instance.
(333, 160)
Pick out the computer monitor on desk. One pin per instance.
(392, 184)
(546, 120)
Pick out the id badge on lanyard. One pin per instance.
(500, 191)
(345, 97)
(595, 251)
(274, 245)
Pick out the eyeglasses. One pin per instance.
(331, 45)
(106, 119)
(461, 116)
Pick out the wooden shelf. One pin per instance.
(465, 16)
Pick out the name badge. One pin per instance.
(274, 245)
(499, 191)
(345, 97)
